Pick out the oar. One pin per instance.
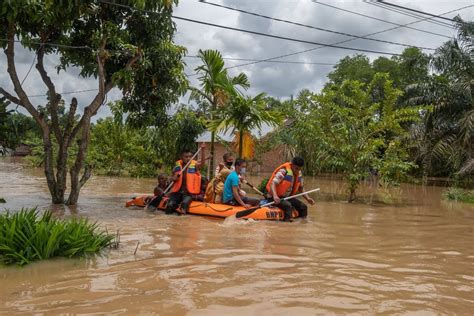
(158, 198)
(251, 210)
(253, 187)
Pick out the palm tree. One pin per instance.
(216, 87)
(446, 137)
(244, 114)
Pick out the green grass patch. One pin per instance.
(2, 200)
(27, 236)
(459, 195)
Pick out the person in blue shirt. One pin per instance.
(232, 194)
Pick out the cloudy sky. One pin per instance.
(277, 79)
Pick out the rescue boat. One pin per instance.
(213, 209)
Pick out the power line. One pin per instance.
(270, 61)
(260, 33)
(345, 41)
(417, 11)
(62, 93)
(285, 38)
(377, 19)
(46, 44)
(412, 15)
(310, 26)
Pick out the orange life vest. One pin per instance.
(284, 188)
(193, 178)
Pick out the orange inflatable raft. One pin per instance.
(214, 210)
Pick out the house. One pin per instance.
(265, 162)
(22, 150)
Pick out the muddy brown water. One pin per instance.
(402, 250)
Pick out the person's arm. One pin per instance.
(235, 192)
(306, 196)
(175, 174)
(276, 180)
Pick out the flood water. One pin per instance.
(398, 251)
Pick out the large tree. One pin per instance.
(129, 46)
(445, 139)
(346, 131)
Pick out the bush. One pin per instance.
(459, 195)
(27, 236)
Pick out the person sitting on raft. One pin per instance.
(216, 186)
(186, 183)
(232, 195)
(162, 184)
(223, 170)
(158, 191)
(285, 181)
(227, 163)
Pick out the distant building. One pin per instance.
(265, 163)
(22, 150)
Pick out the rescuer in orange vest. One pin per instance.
(285, 181)
(186, 183)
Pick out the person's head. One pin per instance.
(162, 178)
(296, 164)
(186, 155)
(240, 165)
(228, 159)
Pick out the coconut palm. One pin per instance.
(216, 87)
(446, 137)
(244, 114)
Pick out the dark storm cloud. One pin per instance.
(279, 80)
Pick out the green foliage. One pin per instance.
(215, 88)
(27, 236)
(243, 114)
(127, 45)
(179, 132)
(411, 67)
(460, 195)
(14, 127)
(356, 130)
(119, 148)
(2, 200)
(443, 140)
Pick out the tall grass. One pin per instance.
(457, 194)
(27, 236)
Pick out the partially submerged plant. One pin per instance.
(27, 236)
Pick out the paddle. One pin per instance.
(251, 210)
(253, 187)
(158, 198)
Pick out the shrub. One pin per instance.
(457, 194)
(27, 236)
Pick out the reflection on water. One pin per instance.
(403, 250)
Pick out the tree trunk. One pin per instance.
(211, 161)
(352, 195)
(241, 143)
(76, 183)
(57, 196)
